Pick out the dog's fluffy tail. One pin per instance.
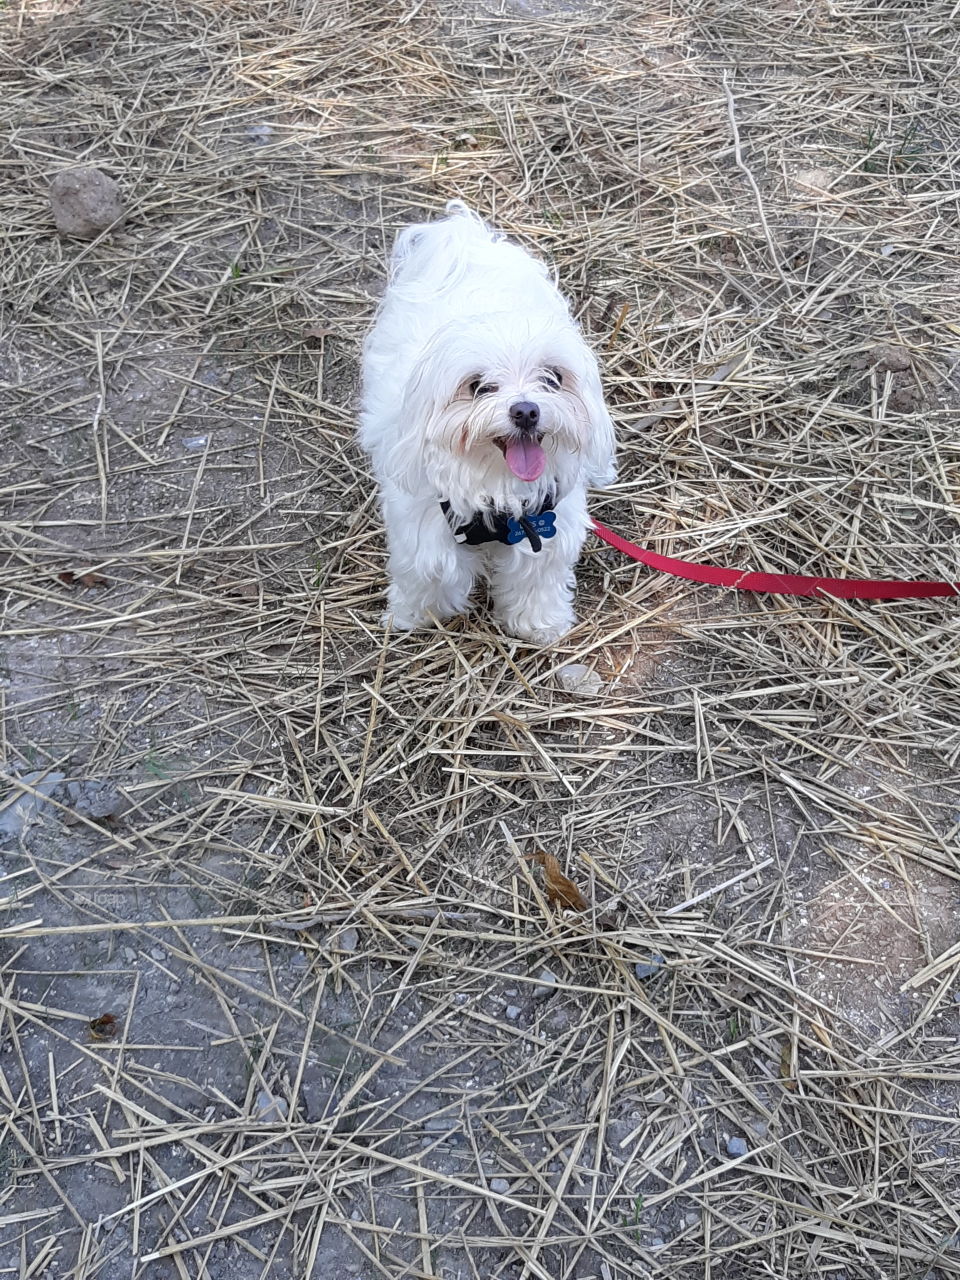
(433, 255)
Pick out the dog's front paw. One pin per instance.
(536, 629)
(399, 620)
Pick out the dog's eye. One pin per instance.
(553, 379)
(478, 388)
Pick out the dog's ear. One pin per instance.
(599, 447)
(408, 455)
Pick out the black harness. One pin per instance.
(497, 526)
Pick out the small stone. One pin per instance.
(346, 940)
(513, 1012)
(129, 955)
(546, 984)
(85, 202)
(956, 997)
(736, 1147)
(649, 968)
(440, 1124)
(269, 1108)
(500, 1185)
(577, 678)
(887, 356)
(158, 954)
(26, 809)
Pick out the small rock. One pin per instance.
(650, 968)
(577, 678)
(513, 1012)
(500, 1185)
(158, 954)
(129, 955)
(440, 1124)
(887, 356)
(269, 1108)
(94, 800)
(736, 1147)
(346, 940)
(546, 984)
(956, 997)
(85, 202)
(25, 810)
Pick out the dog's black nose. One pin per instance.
(525, 415)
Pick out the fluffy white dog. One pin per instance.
(484, 417)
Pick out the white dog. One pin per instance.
(485, 421)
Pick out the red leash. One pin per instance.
(789, 584)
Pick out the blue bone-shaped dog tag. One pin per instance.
(543, 525)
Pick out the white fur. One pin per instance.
(462, 304)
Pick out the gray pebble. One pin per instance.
(513, 1011)
(346, 940)
(26, 809)
(577, 678)
(440, 1124)
(85, 202)
(736, 1147)
(650, 968)
(500, 1185)
(546, 984)
(270, 1108)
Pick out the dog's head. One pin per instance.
(500, 408)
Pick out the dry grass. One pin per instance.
(314, 907)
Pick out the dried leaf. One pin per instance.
(561, 892)
(89, 579)
(318, 331)
(104, 1028)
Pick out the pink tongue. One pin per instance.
(525, 459)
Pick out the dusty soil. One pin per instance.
(282, 995)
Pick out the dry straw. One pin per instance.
(322, 864)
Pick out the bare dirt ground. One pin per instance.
(282, 994)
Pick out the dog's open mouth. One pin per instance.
(524, 456)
